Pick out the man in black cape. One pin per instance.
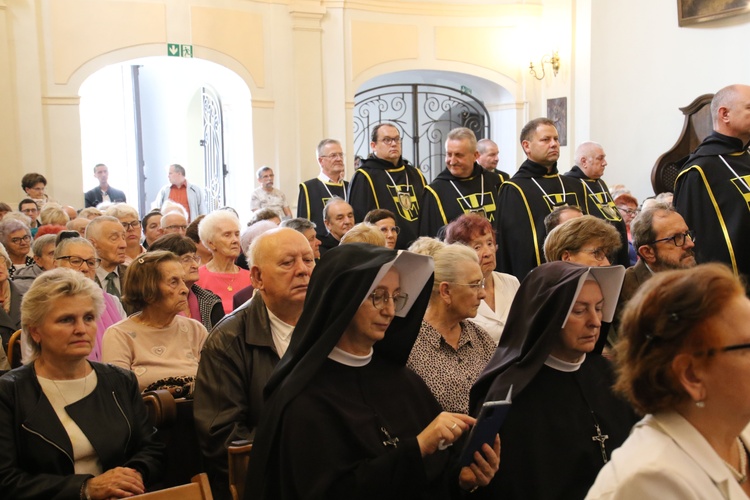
(387, 180)
(463, 187)
(315, 193)
(712, 192)
(597, 201)
(526, 199)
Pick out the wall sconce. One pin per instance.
(553, 59)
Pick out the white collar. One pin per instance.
(349, 359)
(564, 366)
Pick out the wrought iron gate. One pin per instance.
(213, 149)
(424, 114)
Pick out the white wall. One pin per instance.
(643, 68)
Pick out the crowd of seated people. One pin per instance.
(386, 354)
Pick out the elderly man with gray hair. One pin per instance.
(242, 350)
(315, 193)
(463, 187)
(267, 196)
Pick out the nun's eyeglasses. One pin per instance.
(380, 298)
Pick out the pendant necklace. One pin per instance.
(325, 185)
(742, 180)
(404, 198)
(562, 190)
(609, 212)
(83, 394)
(479, 210)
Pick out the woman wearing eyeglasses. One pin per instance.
(627, 204)
(584, 240)
(128, 217)
(344, 417)
(476, 232)
(684, 362)
(15, 236)
(565, 420)
(156, 342)
(451, 351)
(202, 305)
(385, 221)
(79, 254)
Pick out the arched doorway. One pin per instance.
(426, 105)
(142, 115)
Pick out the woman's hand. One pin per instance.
(483, 469)
(443, 431)
(119, 482)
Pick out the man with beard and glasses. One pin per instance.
(663, 242)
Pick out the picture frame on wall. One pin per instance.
(557, 111)
(701, 11)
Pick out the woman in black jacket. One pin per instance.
(71, 428)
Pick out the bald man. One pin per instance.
(712, 191)
(590, 162)
(243, 349)
(489, 157)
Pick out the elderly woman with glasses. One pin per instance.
(128, 217)
(15, 236)
(156, 342)
(72, 428)
(79, 255)
(684, 362)
(584, 240)
(476, 232)
(451, 351)
(344, 417)
(202, 305)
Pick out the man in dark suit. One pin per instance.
(663, 241)
(104, 192)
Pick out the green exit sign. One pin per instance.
(178, 50)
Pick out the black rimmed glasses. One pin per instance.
(380, 298)
(334, 156)
(474, 286)
(77, 262)
(129, 225)
(391, 140)
(678, 239)
(25, 239)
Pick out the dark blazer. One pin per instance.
(37, 460)
(634, 277)
(236, 362)
(94, 196)
(10, 322)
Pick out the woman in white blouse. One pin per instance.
(476, 232)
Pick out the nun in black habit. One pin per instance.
(344, 416)
(564, 421)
